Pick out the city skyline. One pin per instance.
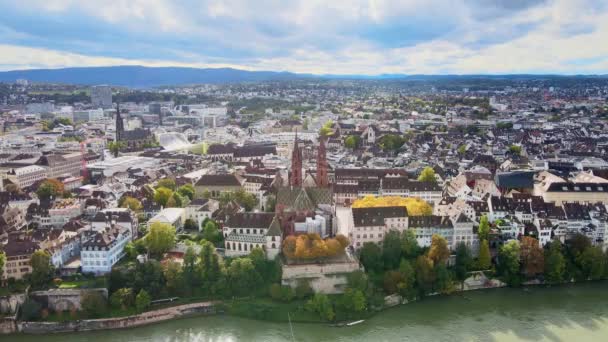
(352, 38)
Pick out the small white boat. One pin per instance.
(355, 323)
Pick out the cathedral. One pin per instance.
(134, 140)
(305, 206)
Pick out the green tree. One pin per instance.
(407, 288)
(484, 228)
(578, 244)
(464, 262)
(391, 142)
(409, 244)
(211, 232)
(115, 147)
(358, 280)
(592, 263)
(352, 141)
(242, 276)
(50, 188)
(132, 203)
(160, 238)
(509, 262)
(142, 301)
(462, 149)
(189, 271)
(174, 281)
(30, 310)
(246, 200)
(186, 190)
(42, 269)
(555, 263)
(210, 268)
(515, 149)
(162, 196)
(303, 289)
(443, 279)
(2, 263)
(391, 249)
(425, 275)
(484, 259)
(93, 304)
(439, 251)
(168, 183)
(321, 304)
(353, 300)
(271, 203)
(190, 224)
(371, 257)
(122, 298)
(392, 280)
(326, 129)
(427, 175)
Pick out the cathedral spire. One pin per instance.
(295, 179)
(322, 176)
(119, 123)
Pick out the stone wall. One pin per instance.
(9, 304)
(7, 326)
(145, 318)
(64, 299)
(329, 278)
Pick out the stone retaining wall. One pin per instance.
(145, 318)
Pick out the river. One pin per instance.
(566, 313)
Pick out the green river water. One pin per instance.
(567, 313)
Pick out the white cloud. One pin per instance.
(560, 36)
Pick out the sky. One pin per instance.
(348, 37)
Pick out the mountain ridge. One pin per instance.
(137, 76)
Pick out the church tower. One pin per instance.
(295, 179)
(322, 176)
(120, 128)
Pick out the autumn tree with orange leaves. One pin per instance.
(311, 246)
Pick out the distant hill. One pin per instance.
(144, 77)
(147, 77)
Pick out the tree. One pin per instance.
(391, 249)
(186, 190)
(42, 269)
(392, 281)
(443, 279)
(142, 301)
(592, 263)
(514, 149)
(439, 251)
(415, 206)
(555, 263)
(190, 224)
(484, 259)
(352, 141)
(242, 277)
(464, 262)
(167, 183)
(353, 300)
(211, 232)
(122, 298)
(160, 238)
(2, 262)
(407, 288)
(176, 201)
(578, 244)
(391, 142)
(132, 203)
(321, 304)
(532, 257)
(509, 262)
(358, 280)
(162, 196)
(326, 129)
(115, 147)
(271, 203)
(371, 257)
(462, 149)
(189, 267)
(93, 304)
(425, 276)
(246, 200)
(209, 264)
(484, 228)
(172, 272)
(427, 175)
(409, 244)
(50, 188)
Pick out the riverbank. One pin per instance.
(571, 312)
(263, 310)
